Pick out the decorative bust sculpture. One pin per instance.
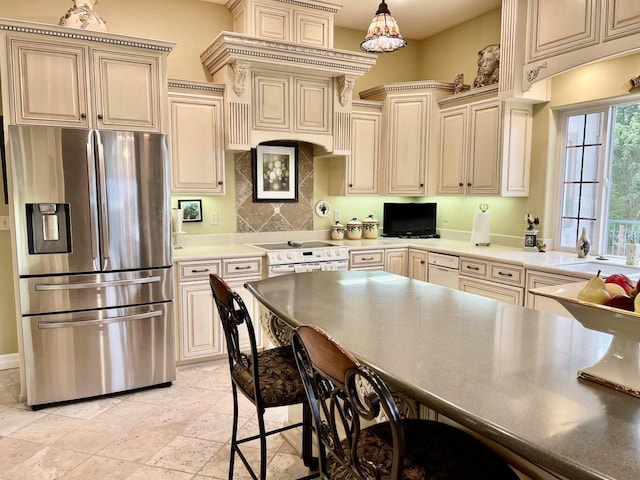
(488, 66)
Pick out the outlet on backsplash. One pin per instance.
(213, 218)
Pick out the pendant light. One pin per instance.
(383, 34)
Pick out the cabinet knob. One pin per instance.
(421, 185)
(461, 184)
(100, 117)
(83, 115)
(351, 185)
(469, 184)
(220, 182)
(422, 262)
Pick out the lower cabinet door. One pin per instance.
(201, 333)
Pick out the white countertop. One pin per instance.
(550, 261)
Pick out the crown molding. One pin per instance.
(270, 54)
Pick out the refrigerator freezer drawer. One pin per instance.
(85, 354)
(68, 293)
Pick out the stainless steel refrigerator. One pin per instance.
(92, 236)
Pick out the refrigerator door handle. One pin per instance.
(79, 286)
(91, 173)
(104, 199)
(99, 321)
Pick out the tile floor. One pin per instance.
(176, 433)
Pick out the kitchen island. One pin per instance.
(505, 372)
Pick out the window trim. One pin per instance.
(603, 170)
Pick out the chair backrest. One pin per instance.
(235, 318)
(345, 396)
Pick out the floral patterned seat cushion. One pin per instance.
(280, 382)
(434, 451)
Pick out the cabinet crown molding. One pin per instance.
(405, 87)
(275, 54)
(469, 95)
(85, 35)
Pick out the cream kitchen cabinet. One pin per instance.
(564, 35)
(469, 160)
(75, 83)
(359, 172)
(485, 148)
(406, 140)
(395, 261)
(200, 335)
(500, 281)
(536, 279)
(417, 264)
(197, 140)
(297, 104)
(409, 134)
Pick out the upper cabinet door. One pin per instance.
(363, 163)
(127, 91)
(197, 160)
(49, 83)
(453, 146)
(483, 174)
(407, 137)
(562, 26)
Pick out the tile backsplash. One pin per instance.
(274, 217)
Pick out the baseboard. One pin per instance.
(10, 360)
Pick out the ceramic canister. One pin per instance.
(337, 231)
(354, 229)
(370, 227)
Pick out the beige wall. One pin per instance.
(455, 51)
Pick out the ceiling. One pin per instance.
(417, 19)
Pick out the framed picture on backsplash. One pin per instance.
(191, 210)
(275, 172)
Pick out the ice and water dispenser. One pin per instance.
(48, 227)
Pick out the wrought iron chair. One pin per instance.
(347, 398)
(268, 379)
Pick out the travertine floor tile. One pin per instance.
(49, 463)
(176, 433)
(185, 454)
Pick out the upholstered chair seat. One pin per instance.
(280, 382)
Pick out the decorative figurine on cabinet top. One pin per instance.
(82, 16)
(488, 66)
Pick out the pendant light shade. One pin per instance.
(383, 34)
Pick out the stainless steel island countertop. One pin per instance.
(504, 371)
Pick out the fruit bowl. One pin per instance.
(619, 368)
(596, 317)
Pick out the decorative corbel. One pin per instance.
(240, 73)
(633, 83)
(346, 83)
(534, 72)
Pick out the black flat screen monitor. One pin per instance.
(409, 220)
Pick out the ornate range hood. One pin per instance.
(283, 80)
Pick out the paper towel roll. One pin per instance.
(480, 235)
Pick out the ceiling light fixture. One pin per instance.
(383, 34)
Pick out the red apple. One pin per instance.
(621, 279)
(624, 302)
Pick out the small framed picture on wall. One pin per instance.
(275, 172)
(191, 210)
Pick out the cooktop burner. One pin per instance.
(292, 245)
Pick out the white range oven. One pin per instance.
(298, 257)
